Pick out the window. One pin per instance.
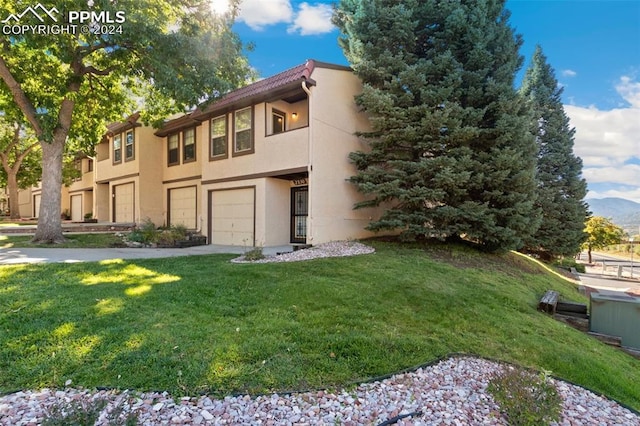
(189, 145)
(278, 121)
(174, 147)
(129, 151)
(117, 149)
(77, 175)
(243, 138)
(89, 165)
(218, 129)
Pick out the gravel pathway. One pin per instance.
(451, 392)
(332, 249)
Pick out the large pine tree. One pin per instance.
(561, 190)
(450, 149)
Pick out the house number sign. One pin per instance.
(300, 181)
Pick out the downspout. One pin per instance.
(309, 166)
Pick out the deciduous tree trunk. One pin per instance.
(12, 186)
(49, 221)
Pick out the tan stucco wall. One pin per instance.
(277, 212)
(335, 119)
(102, 202)
(149, 194)
(283, 151)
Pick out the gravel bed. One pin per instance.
(332, 249)
(451, 392)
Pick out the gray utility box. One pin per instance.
(616, 315)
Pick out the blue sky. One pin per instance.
(593, 45)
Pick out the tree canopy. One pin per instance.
(601, 232)
(172, 54)
(560, 187)
(450, 154)
(19, 159)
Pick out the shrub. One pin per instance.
(87, 413)
(254, 254)
(527, 399)
(568, 263)
(146, 233)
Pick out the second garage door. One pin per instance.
(182, 207)
(233, 217)
(123, 203)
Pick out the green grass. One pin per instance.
(202, 324)
(8, 223)
(97, 240)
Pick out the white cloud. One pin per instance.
(607, 142)
(630, 91)
(569, 73)
(311, 20)
(605, 137)
(258, 14)
(624, 175)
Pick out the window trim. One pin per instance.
(250, 150)
(177, 162)
(184, 145)
(114, 149)
(133, 145)
(213, 157)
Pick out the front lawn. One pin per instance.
(202, 324)
(95, 240)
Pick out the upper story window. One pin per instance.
(189, 145)
(89, 165)
(77, 165)
(117, 148)
(243, 132)
(174, 148)
(218, 129)
(278, 121)
(129, 150)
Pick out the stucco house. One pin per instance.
(265, 165)
(128, 174)
(275, 159)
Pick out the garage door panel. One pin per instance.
(233, 217)
(123, 199)
(182, 207)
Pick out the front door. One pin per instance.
(299, 213)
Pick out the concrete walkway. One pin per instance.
(10, 256)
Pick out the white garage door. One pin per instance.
(76, 208)
(232, 217)
(182, 207)
(123, 203)
(36, 205)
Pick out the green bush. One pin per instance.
(527, 399)
(86, 413)
(254, 254)
(568, 263)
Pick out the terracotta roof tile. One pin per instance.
(296, 74)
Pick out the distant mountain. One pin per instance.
(624, 213)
